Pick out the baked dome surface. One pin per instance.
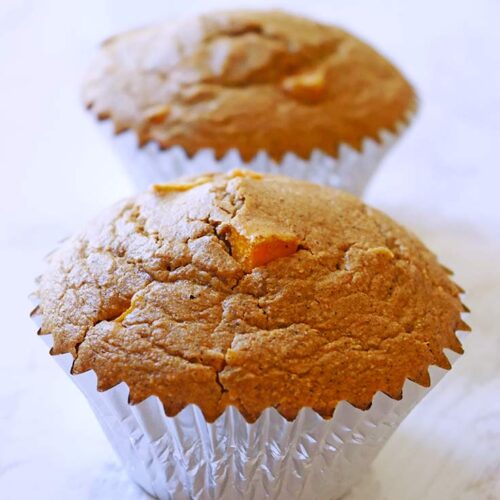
(250, 80)
(253, 291)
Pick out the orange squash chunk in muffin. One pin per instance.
(258, 251)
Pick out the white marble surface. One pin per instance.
(442, 181)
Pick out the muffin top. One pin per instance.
(253, 291)
(250, 80)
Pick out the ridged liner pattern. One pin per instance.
(185, 457)
(351, 170)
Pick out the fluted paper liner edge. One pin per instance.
(351, 170)
(184, 456)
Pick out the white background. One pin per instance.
(442, 180)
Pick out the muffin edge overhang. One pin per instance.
(450, 355)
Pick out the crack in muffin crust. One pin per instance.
(154, 294)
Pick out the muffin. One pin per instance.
(268, 90)
(250, 335)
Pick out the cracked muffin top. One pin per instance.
(253, 291)
(250, 80)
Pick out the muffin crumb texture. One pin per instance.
(252, 291)
(249, 80)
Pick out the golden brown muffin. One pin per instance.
(249, 290)
(250, 80)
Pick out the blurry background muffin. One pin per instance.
(259, 292)
(274, 91)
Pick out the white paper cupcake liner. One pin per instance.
(351, 170)
(185, 457)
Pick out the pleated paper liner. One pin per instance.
(351, 170)
(185, 457)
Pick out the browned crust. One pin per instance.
(280, 83)
(150, 295)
